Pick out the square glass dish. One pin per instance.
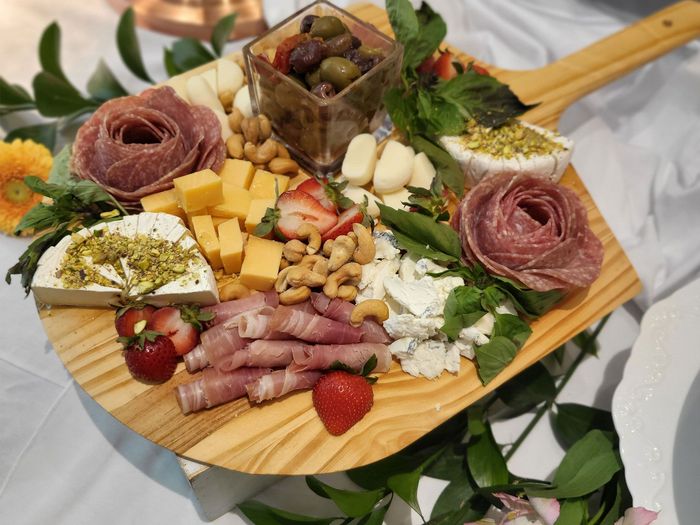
(318, 130)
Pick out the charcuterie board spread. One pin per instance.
(277, 322)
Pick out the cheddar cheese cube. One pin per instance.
(218, 220)
(199, 190)
(204, 232)
(296, 180)
(237, 172)
(163, 202)
(266, 185)
(256, 212)
(195, 213)
(261, 263)
(236, 203)
(231, 242)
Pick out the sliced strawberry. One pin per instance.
(345, 222)
(297, 207)
(152, 358)
(169, 322)
(128, 316)
(480, 70)
(443, 66)
(318, 192)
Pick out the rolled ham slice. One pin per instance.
(228, 309)
(321, 357)
(260, 353)
(339, 310)
(234, 321)
(280, 383)
(214, 343)
(313, 328)
(216, 388)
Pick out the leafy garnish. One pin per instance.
(430, 203)
(191, 313)
(366, 369)
(267, 223)
(446, 166)
(334, 192)
(139, 340)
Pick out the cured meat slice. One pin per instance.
(214, 343)
(253, 324)
(279, 383)
(229, 309)
(313, 328)
(531, 230)
(339, 310)
(273, 354)
(321, 357)
(215, 388)
(136, 145)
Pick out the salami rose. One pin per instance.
(530, 230)
(134, 146)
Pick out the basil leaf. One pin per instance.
(421, 249)
(42, 133)
(432, 32)
(50, 52)
(262, 514)
(401, 108)
(462, 309)
(88, 192)
(454, 496)
(353, 503)
(522, 393)
(57, 98)
(103, 85)
(128, 45)
(512, 327)
(588, 465)
(189, 53)
(527, 301)
(573, 421)
(493, 357)
(221, 32)
(493, 298)
(60, 170)
(485, 460)
(403, 19)
(445, 165)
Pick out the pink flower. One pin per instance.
(637, 516)
(518, 511)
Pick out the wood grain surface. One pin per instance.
(285, 436)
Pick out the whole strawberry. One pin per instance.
(341, 399)
(150, 356)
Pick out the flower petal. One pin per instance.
(547, 509)
(637, 516)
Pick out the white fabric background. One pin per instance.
(63, 460)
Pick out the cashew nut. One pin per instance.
(284, 263)
(281, 283)
(260, 154)
(295, 295)
(313, 237)
(294, 250)
(250, 127)
(234, 146)
(369, 308)
(232, 291)
(347, 292)
(282, 151)
(350, 273)
(328, 247)
(235, 119)
(265, 127)
(300, 276)
(226, 99)
(365, 251)
(281, 165)
(341, 253)
(317, 263)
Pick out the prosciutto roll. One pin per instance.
(339, 310)
(216, 388)
(313, 328)
(214, 343)
(321, 357)
(280, 383)
(273, 354)
(229, 309)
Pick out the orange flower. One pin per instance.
(19, 159)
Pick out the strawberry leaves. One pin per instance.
(138, 341)
(195, 316)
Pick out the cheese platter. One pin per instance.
(284, 436)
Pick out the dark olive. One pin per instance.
(306, 23)
(339, 71)
(338, 45)
(324, 90)
(313, 77)
(327, 27)
(364, 63)
(307, 56)
(356, 42)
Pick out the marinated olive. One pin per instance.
(363, 62)
(327, 27)
(339, 71)
(356, 42)
(306, 23)
(307, 56)
(324, 90)
(370, 52)
(313, 77)
(336, 46)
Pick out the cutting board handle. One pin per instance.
(559, 84)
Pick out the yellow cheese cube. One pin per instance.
(236, 203)
(296, 180)
(237, 172)
(261, 263)
(199, 190)
(266, 185)
(218, 220)
(231, 241)
(163, 202)
(256, 212)
(206, 237)
(195, 213)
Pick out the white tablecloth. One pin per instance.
(64, 460)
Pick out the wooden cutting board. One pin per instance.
(285, 436)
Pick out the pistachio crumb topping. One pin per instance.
(509, 140)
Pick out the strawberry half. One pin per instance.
(297, 207)
(341, 400)
(129, 315)
(318, 192)
(181, 325)
(150, 357)
(443, 67)
(345, 221)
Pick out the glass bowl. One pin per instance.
(317, 131)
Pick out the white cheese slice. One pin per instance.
(229, 76)
(211, 78)
(423, 172)
(357, 195)
(200, 92)
(242, 101)
(179, 84)
(396, 199)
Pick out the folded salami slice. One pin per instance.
(136, 145)
(279, 383)
(531, 230)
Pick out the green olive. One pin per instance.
(313, 77)
(369, 52)
(339, 71)
(327, 27)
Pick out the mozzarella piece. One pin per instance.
(199, 92)
(225, 127)
(357, 195)
(179, 84)
(242, 101)
(395, 200)
(394, 168)
(229, 77)
(423, 172)
(211, 77)
(360, 159)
